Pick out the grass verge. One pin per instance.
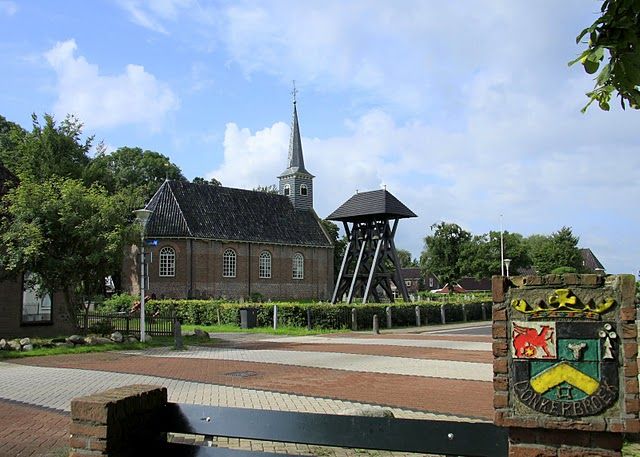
(158, 341)
(228, 328)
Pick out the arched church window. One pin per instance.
(303, 189)
(287, 190)
(229, 263)
(298, 266)
(167, 262)
(265, 264)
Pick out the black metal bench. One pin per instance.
(356, 432)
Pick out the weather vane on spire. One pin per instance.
(294, 91)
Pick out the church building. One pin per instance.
(205, 241)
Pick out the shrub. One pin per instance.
(118, 302)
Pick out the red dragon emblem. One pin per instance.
(528, 341)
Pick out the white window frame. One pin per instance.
(229, 263)
(287, 190)
(304, 191)
(297, 266)
(167, 263)
(264, 265)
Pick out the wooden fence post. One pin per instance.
(442, 314)
(417, 316)
(376, 325)
(387, 311)
(464, 312)
(354, 320)
(484, 311)
(308, 318)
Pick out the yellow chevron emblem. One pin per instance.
(564, 372)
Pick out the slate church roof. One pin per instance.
(186, 210)
(373, 204)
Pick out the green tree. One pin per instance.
(339, 244)
(211, 182)
(481, 256)
(52, 149)
(443, 250)
(614, 41)
(558, 251)
(133, 171)
(10, 135)
(405, 259)
(69, 235)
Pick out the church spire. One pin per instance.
(296, 182)
(296, 158)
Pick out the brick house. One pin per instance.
(22, 311)
(213, 241)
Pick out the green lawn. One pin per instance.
(228, 328)
(157, 341)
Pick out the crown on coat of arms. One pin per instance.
(563, 303)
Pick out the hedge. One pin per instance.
(322, 315)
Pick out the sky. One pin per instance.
(466, 111)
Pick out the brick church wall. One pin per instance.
(199, 271)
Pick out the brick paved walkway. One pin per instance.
(27, 430)
(418, 376)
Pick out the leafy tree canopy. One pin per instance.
(52, 149)
(339, 244)
(70, 235)
(211, 182)
(443, 250)
(552, 252)
(405, 259)
(613, 47)
(481, 256)
(132, 170)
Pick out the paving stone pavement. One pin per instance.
(59, 379)
(449, 369)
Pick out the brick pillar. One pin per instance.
(565, 363)
(118, 422)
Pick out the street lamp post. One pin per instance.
(506, 263)
(501, 250)
(142, 217)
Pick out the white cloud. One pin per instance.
(468, 179)
(7, 7)
(151, 14)
(252, 160)
(132, 97)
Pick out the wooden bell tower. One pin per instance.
(370, 263)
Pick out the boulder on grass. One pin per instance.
(132, 339)
(14, 345)
(66, 344)
(101, 340)
(25, 341)
(147, 338)
(3, 344)
(117, 337)
(27, 347)
(76, 339)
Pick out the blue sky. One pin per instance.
(464, 110)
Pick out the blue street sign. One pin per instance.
(151, 242)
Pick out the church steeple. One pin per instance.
(296, 182)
